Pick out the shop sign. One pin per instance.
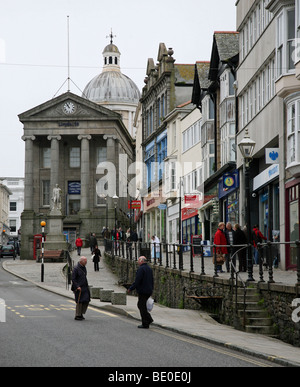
(187, 213)
(193, 200)
(228, 183)
(266, 176)
(272, 155)
(135, 204)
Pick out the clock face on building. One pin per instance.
(69, 107)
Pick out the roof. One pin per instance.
(184, 73)
(201, 81)
(225, 47)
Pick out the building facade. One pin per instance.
(16, 204)
(268, 92)
(85, 149)
(4, 213)
(214, 95)
(167, 85)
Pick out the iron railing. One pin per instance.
(183, 257)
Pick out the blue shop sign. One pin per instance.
(74, 188)
(228, 183)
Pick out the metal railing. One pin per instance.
(192, 257)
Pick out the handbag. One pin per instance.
(149, 304)
(220, 258)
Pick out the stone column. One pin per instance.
(28, 195)
(85, 171)
(54, 161)
(111, 157)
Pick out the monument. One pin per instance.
(55, 239)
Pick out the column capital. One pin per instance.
(109, 136)
(84, 136)
(25, 138)
(54, 137)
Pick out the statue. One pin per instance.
(56, 198)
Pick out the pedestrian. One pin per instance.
(257, 237)
(220, 250)
(80, 287)
(79, 245)
(229, 233)
(155, 248)
(240, 238)
(96, 258)
(93, 241)
(144, 285)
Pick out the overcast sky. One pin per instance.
(33, 49)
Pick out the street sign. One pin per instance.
(135, 204)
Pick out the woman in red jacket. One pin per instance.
(219, 251)
(79, 244)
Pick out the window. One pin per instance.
(285, 46)
(101, 154)
(161, 155)
(293, 132)
(46, 158)
(13, 225)
(13, 206)
(46, 192)
(75, 157)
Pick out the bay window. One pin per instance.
(285, 41)
(293, 131)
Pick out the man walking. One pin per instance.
(144, 286)
(80, 287)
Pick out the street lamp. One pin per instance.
(246, 147)
(115, 199)
(43, 224)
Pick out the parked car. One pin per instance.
(7, 251)
(16, 246)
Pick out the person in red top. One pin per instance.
(257, 237)
(79, 244)
(220, 239)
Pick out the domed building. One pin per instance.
(113, 89)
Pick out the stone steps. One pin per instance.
(256, 317)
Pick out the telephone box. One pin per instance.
(37, 244)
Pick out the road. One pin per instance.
(39, 330)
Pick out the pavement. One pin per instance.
(193, 323)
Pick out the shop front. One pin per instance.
(190, 225)
(229, 196)
(292, 190)
(154, 218)
(266, 190)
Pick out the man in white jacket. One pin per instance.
(155, 248)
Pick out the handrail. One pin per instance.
(181, 256)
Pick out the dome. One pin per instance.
(112, 86)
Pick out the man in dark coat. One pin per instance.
(144, 286)
(80, 287)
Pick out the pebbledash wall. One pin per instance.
(169, 285)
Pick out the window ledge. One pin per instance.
(294, 169)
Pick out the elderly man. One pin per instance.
(80, 287)
(144, 286)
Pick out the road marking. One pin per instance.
(211, 348)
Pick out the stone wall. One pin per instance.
(170, 285)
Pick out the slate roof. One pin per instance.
(225, 47)
(184, 73)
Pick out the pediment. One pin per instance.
(68, 106)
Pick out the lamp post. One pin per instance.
(43, 224)
(246, 147)
(115, 199)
